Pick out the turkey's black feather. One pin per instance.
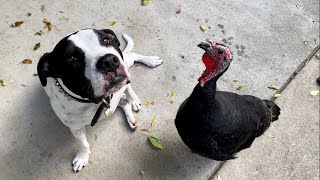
(218, 124)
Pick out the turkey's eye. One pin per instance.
(71, 59)
(220, 51)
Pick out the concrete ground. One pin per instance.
(290, 148)
(269, 40)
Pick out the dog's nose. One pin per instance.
(108, 63)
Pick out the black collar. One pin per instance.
(70, 95)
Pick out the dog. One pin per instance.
(86, 73)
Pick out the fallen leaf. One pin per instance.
(27, 61)
(141, 173)
(112, 23)
(155, 141)
(148, 101)
(47, 24)
(145, 129)
(153, 122)
(178, 11)
(273, 87)
(276, 95)
(314, 92)
(17, 24)
(145, 2)
(36, 46)
(3, 82)
(219, 178)
(236, 80)
(172, 96)
(239, 88)
(29, 14)
(39, 33)
(203, 28)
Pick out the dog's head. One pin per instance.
(89, 62)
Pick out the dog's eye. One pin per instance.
(107, 39)
(71, 59)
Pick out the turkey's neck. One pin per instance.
(207, 93)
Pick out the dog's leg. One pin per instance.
(82, 157)
(151, 61)
(133, 98)
(125, 106)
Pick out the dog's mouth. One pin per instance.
(114, 81)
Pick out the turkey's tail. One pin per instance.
(274, 110)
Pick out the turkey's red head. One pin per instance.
(216, 59)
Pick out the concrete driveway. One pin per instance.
(269, 40)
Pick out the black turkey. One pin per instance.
(218, 124)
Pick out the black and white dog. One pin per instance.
(85, 72)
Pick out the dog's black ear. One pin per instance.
(46, 68)
(109, 31)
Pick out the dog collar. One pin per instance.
(70, 95)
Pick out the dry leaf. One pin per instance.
(36, 46)
(155, 141)
(29, 14)
(47, 24)
(203, 28)
(240, 88)
(148, 101)
(39, 33)
(153, 121)
(141, 173)
(276, 95)
(314, 92)
(27, 61)
(236, 80)
(219, 178)
(178, 11)
(112, 23)
(17, 24)
(3, 82)
(172, 96)
(273, 87)
(145, 2)
(145, 129)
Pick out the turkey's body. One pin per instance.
(218, 124)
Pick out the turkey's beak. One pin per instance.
(205, 46)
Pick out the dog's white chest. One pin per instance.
(76, 114)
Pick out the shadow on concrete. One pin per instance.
(41, 138)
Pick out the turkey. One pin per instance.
(218, 124)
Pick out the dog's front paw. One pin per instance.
(80, 161)
(154, 61)
(133, 123)
(136, 105)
